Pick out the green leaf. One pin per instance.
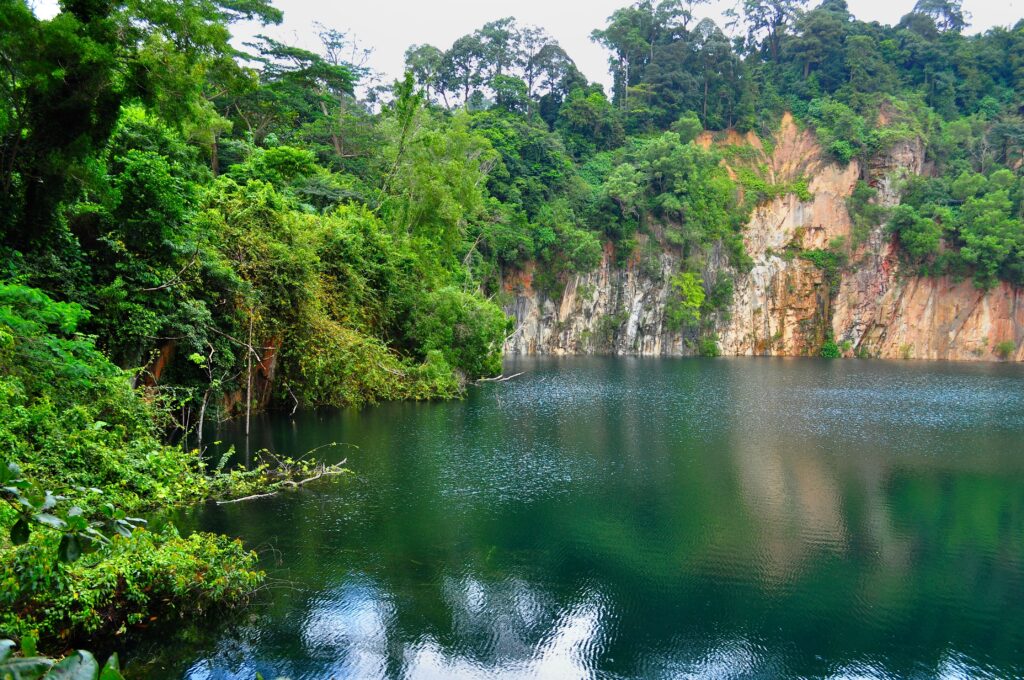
(24, 669)
(49, 501)
(49, 520)
(10, 471)
(70, 548)
(80, 665)
(112, 669)
(28, 646)
(20, 531)
(123, 528)
(96, 537)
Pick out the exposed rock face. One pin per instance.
(783, 305)
(922, 318)
(612, 309)
(882, 312)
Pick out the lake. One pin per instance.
(644, 518)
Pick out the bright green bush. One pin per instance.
(918, 235)
(467, 331)
(840, 129)
(335, 365)
(709, 346)
(144, 578)
(1005, 349)
(830, 348)
(71, 418)
(830, 261)
(683, 307)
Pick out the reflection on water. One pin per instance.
(647, 518)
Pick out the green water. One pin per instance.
(623, 518)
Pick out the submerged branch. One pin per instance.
(500, 378)
(322, 470)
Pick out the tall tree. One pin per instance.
(766, 21)
(634, 34)
(462, 68)
(819, 41)
(499, 42)
(948, 15)
(426, 62)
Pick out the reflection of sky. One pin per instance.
(355, 624)
(952, 667)
(569, 650)
(350, 623)
(352, 629)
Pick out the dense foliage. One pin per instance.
(80, 445)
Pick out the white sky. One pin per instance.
(390, 26)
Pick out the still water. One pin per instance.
(646, 518)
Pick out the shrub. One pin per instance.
(829, 261)
(830, 349)
(138, 578)
(685, 301)
(1005, 349)
(918, 235)
(76, 427)
(709, 346)
(467, 331)
(331, 364)
(864, 211)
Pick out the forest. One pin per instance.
(192, 229)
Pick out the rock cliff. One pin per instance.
(785, 305)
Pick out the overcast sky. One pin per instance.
(389, 27)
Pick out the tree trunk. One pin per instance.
(705, 117)
(202, 420)
(335, 140)
(248, 382)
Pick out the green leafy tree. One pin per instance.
(918, 235)
(462, 70)
(948, 15)
(766, 22)
(426, 62)
(683, 309)
(466, 331)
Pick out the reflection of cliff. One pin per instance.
(783, 306)
(807, 502)
(791, 496)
